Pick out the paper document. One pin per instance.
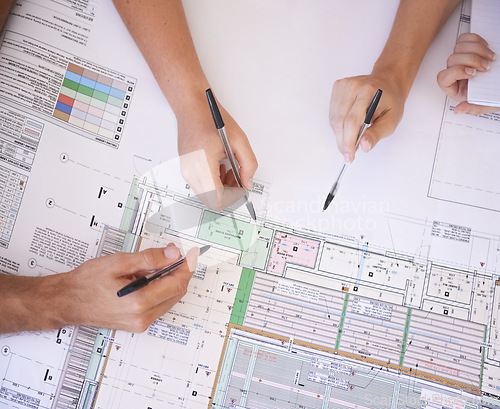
(484, 87)
(390, 299)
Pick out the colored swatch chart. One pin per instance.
(94, 102)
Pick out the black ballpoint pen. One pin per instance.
(219, 124)
(368, 118)
(145, 280)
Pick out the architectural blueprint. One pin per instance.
(391, 300)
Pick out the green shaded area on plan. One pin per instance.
(129, 214)
(405, 337)
(134, 196)
(254, 241)
(242, 296)
(344, 309)
(482, 358)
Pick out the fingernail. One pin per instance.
(470, 71)
(457, 110)
(347, 158)
(171, 251)
(367, 145)
(491, 55)
(486, 64)
(250, 184)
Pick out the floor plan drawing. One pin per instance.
(306, 312)
(335, 319)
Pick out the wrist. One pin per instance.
(54, 302)
(31, 303)
(398, 78)
(190, 101)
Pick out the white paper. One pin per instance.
(484, 87)
(393, 290)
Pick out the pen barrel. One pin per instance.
(360, 133)
(230, 156)
(373, 106)
(166, 270)
(339, 178)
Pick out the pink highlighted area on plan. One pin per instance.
(290, 249)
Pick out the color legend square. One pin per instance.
(94, 102)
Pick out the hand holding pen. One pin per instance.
(144, 280)
(87, 295)
(366, 123)
(349, 99)
(201, 152)
(235, 167)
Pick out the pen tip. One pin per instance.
(251, 210)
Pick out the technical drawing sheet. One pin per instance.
(391, 299)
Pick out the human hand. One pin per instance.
(89, 292)
(471, 54)
(348, 104)
(201, 152)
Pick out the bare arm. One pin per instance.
(415, 26)
(5, 8)
(87, 294)
(161, 32)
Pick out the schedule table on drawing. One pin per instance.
(12, 185)
(93, 101)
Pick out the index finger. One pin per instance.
(131, 264)
(341, 101)
(354, 121)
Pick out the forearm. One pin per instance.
(31, 303)
(5, 8)
(416, 25)
(161, 32)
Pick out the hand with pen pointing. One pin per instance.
(87, 294)
(349, 100)
(161, 32)
(201, 152)
(414, 28)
